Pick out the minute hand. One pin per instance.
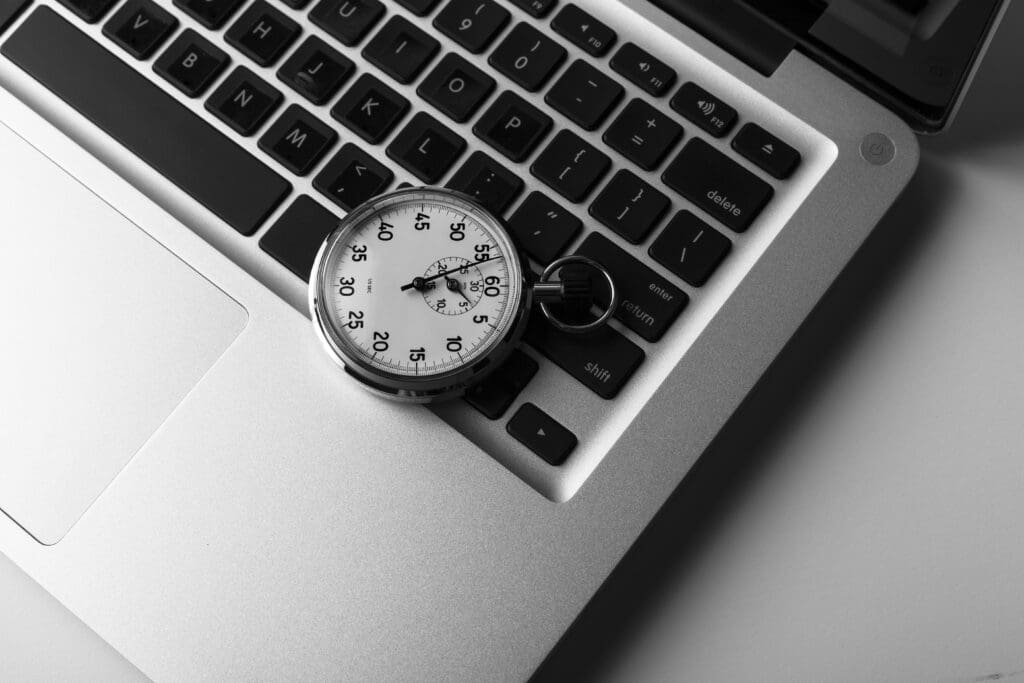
(445, 273)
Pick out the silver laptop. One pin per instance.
(183, 466)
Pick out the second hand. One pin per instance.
(417, 283)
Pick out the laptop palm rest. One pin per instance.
(112, 332)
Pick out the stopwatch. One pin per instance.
(421, 293)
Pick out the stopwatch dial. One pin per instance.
(421, 288)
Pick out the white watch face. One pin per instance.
(421, 284)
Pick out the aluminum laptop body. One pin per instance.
(183, 467)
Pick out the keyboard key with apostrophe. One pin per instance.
(488, 182)
(650, 303)
(765, 150)
(571, 166)
(262, 33)
(643, 134)
(456, 87)
(203, 162)
(540, 433)
(401, 50)
(707, 111)
(316, 70)
(629, 206)
(426, 148)
(717, 184)
(584, 31)
(513, 126)
(140, 27)
(244, 101)
(603, 362)
(690, 248)
(500, 389)
(191, 63)
(528, 57)
(297, 140)
(348, 21)
(352, 177)
(542, 228)
(585, 95)
(473, 24)
(370, 109)
(643, 69)
(295, 238)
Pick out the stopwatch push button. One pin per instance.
(541, 434)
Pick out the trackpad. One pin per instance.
(104, 333)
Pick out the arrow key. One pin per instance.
(542, 434)
(352, 177)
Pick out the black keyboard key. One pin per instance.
(191, 63)
(370, 109)
(717, 184)
(690, 248)
(585, 95)
(488, 182)
(571, 166)
(136, 112)
(528, 57)
(352, 177)
(10, 10)
(456, 87)
(584, 30)
(295, 238)
(650, 303)
(496, 394)
(513, 126)
(542, 228)
(707, 111)
(643, 69)
(770, 153)
(643, 134)
(535, 8)
(316, 70)
(541, 434)
(426, 148)
(401, 50)
(603, 362)
(296, 4)
(347, 20)
(629, 206)
(262, 33)
(244, 101)
(140, 27)
(90, 11)
(473, 24)
(420, 8)
(297, 140)
(210, 13)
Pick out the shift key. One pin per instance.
(603, 361)
(650, 303)
(717, 184)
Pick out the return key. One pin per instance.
(650, 303)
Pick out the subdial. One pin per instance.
(458, 291)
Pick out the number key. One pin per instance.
(473, 24)
(528, 57)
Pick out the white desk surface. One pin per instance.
(862, 519)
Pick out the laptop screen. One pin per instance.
(913, 55)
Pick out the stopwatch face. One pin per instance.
(417, 292)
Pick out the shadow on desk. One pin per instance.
(737, 458)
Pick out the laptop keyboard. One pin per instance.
(614, 148)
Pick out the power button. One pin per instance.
(877, 149)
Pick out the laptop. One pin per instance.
(189, 473)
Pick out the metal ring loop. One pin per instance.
(613, 292)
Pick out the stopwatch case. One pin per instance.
(410, 389)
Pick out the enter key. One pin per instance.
(650, 303)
